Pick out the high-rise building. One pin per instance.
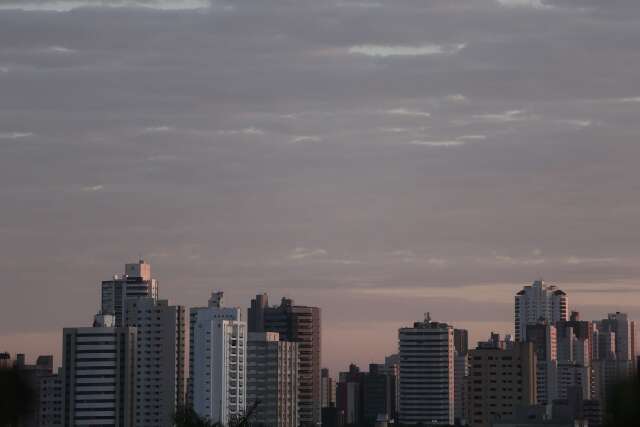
(426, 373)
(460, 373)
(614, 353)
(256, 313)
(378, 393)
(499, 381)
(272, 380)
(495, 341)
(135, 283)
(50, 402)
(366, 397)
(32, 375)
(299, 324)
(543, 337)
(461, 341)
(539, 302)
(328, 389)
(98, 374)
(217, 361)
(392, 365)
(6, 362)
(572, 376)
(160, 360)
(624, 331)
(461, 370)
(575, 340)
(349, 395)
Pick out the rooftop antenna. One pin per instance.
(427, 317)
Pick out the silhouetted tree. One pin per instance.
(187, 417)
(623, 404)
(16, 397)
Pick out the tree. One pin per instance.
(17, 398)
(187, 417)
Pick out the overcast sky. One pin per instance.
(379, 159)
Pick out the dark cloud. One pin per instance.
(317, 149)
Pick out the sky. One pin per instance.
(379, 159)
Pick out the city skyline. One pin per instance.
(128, 367)
(478, 332)
(389, 157)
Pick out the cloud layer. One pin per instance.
(387, 157)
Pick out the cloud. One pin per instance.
(407, 112)
(404, 253)
(157, 129)
(162, 158)
(505, 117)
(246, 131)
(360, 4)
(457, 98)
(576, 123)
(4, 69)
(581, 261)
(344, 261)
(60, 50)
(535, 4)
(395, 130)
(15, 135)
(631, 100)
(472, 137)
(92, 188)
(306, 138)
(450, 143)
(69, 5)
(518, 261)
(385, 51)
(302, 253)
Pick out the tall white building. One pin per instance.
(98, 367)
(217, 361)
(135, 283)
(539, 302)
(426, 373)
(160, 360)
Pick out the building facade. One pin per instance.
(499, 381)
(160, 360)
(272, 380)
(328, 389)
(217, 361)
(539, 302)
(461, 370)
(544, 339)
(614, 353)
(135, 283)
(426, 373)
(50, 402)
(98, 365)
(378, 393)
(299, 324)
